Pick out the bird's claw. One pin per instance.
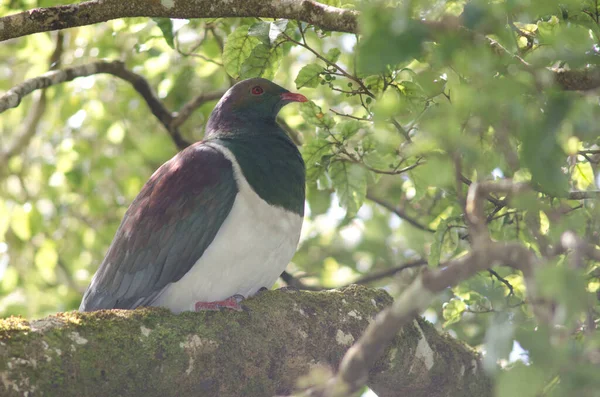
(233, 303)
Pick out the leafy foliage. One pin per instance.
(309, 76)
(402, 119)
(237, 50)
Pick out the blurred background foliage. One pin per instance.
(403, 117)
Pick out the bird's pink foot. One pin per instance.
(233, 303)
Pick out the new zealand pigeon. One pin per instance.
(218, 221)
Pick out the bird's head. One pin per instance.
(251, 100)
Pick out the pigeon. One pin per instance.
(218, 221)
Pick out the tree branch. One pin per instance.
(280, 335)
(398, 211)
(376, 276)
(354, 369)
(27, 130)
(583, 195)
(570, 80)
(38, 107)
(171, 122)
(578, 80)
(186, 110)
(295, 282)
(323, 16)
(96, 11)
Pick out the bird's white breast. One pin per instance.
(251, 249)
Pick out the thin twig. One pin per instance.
(189, 107)
(171, 122)
(349, 115)
(504, 281)
(331, 64)
(398, 211)
(354, 369)
(295, 282)
(376, 276)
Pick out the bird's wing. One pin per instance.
(165, 230)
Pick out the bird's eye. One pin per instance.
(257, 90)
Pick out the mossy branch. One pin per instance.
(96, 11)
(261, 351)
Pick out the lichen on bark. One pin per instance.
(262, 350)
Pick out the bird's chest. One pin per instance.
(251, 249)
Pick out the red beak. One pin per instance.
(293, 97)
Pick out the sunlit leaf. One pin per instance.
(314, 115)
(333, 55)
(263, 61)
(521, 380)
(389, 37)
(453, 311)
(238, 48)
(166, 27)
(46, 259)
(348, 128)
(260, 30)
(19, 222)
(436, 246)
(276, 29)
(350, 184)
(541, 152)
(565, 285)
(316, 154)
(583, 175)
(4, 219)
(309, 76)
(9, 280)
(318, 200)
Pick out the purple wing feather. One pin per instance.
(165, 230)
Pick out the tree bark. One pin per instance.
(96, 11)
(261, 351)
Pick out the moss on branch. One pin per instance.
(260, 351)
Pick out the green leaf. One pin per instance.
(166, 26)
(437, 171)
(309, 76)
(374, 83)
(389, 37)
(20, 223)
(583, 176)
(314, 115)
(4, 219)
(521, 380)
(262, 62)
(348, 128)
(276, 29)
(319, 201)
(379, 161)
(238, 48)
(268, 32)
(9, 280)
(45, 260)
(260, 30)
(350, 183)
(316, 154)
(566, 286)
(453, 311)
(540, 150)
(333, 55)
(438, 240)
